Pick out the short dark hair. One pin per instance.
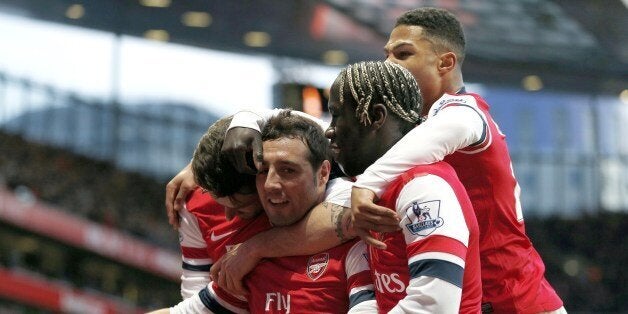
(213, 171)
(291, 125)
(440, 25)
(371, 82)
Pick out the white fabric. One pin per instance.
(190, 236)
(444, 132)
(443, 203)
(366, 307)
(256, 119)
(429, 295)
(356, 261)
(192, 305)
(338, 192)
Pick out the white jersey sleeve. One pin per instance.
(339, 192)
(195, 259)
(447, 129)
(257, 119)
(434, 226)
(192, 305)
(361, 288)
(366, 307)
(204, 302)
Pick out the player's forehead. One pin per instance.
(288, 151)
(334, 105)
(405, 36)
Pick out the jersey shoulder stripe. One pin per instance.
(210, 303)
(360, 297)
(437, 268)
(203, 268)
(438, 243)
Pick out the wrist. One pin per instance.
(254, 248)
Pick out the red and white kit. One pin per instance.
(336, 280)
(432, 265)
(460, 130)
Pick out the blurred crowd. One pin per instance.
(96, 190)
(585, 259)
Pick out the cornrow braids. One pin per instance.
(384, 82)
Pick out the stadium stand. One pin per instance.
(77, 235)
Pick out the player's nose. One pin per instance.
(272, 182)
(330, 133)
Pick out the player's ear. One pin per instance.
(379, 112)
(323, 173)
(447, 62)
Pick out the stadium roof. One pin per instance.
(572, 44)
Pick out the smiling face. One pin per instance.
(288, 186)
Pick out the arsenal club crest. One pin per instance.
(316, 265)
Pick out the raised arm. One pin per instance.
(449, 129)
(325, 226)
(243, 145)
(177, 191)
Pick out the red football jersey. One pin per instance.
(439, 239)
(512, 271)
(200, 214)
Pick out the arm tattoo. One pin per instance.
(337, 213)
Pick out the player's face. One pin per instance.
(244, 204)
(408, 47)
(288, 186)
(351, 142)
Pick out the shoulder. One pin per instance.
(339, 191)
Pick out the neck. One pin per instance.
(455, 82)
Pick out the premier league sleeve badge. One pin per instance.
(424, 217)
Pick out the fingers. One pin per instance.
(366, 236)
(226, 277)
(241, 146)
(374, 216)
(214, 271)
(373, 222)
(177, 191)
(244, 162)
(172, 190)
(258, 157)
(234, 286)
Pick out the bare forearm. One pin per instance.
(327, 225)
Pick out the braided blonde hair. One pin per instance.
(372, 82)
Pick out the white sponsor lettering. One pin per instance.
(281, 302)
(389, 283)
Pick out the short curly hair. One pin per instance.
(440, 25)
(212, 171)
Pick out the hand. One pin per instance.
(228, 272)
(365, 216)
(243, 147)
(177, 191)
